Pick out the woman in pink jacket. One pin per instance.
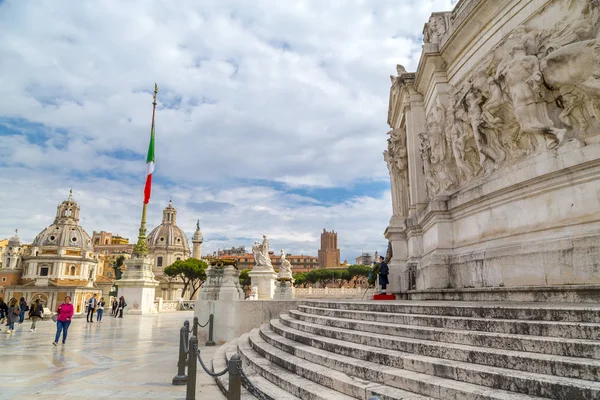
(65, 313)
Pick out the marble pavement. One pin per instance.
(133, 357)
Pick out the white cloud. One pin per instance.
(266, 91)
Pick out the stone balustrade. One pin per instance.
(173, 305)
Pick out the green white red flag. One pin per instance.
(149, 167)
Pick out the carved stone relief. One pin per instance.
(438, 164)
(436, 28)
(397, 162)
(537, 90)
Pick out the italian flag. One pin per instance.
(149, 166)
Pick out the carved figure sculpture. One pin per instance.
(486, 139)
(431, 183)
(285, 272)
(439, 152)
(463, 144)
(397, 162)
(92, 275)
(435, 29)
(261, 253)
(523, 78)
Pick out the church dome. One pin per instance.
(65, 231)
(168, 235)
(14, 241)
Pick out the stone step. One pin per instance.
(266, 388)
(570, 367)
(322, 375)
(507, 341)
(384, 364)
(219, 363)
(496, 310)
(286, 380)
(569, 330)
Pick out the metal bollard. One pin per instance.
(235, 378)
(211, 320)
(190, 393)
(181, 378)
(195, 327)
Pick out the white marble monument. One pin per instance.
(494, 155)
(138, 286)
(284, 288)
(263, 275)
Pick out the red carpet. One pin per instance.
(384, 297)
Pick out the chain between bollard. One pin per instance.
(214, 375)
(250, 387)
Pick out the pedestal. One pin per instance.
(284, 290)
(264, 281)
(138, 286)
(230, 288)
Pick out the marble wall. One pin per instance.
(494, 149)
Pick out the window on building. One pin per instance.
(3, 279)
(44, 271)
(72, 271)
(97, 241)
(159, 261)
(109, 274)
(106, 241)
(178, 258)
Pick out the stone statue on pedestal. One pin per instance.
(285, 272)
(261, 254)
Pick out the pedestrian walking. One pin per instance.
(91, 306)
(100, 311)
(115, 305)
(35, 313)
(13, 315)
(120, 307)
(23, 307)
(63, 320)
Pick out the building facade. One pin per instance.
(329, 253)
(168, 243)
(300, 263)
(60, 262)
(494, 155)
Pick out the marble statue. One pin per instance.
(397, 162)
(524, 81)
(285, 271)
(261, 253)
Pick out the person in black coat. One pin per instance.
(383, 274)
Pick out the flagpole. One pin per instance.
(141, 248)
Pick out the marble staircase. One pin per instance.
(423, 350)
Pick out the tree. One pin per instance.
(117, 266)
(300, 279)
(321, 276)
(245, 280)
(192, 272)
(341, 276)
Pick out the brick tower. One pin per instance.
(329, 254)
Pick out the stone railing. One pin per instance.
(173, 305)
(337, 293)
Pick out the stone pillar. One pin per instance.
(138, 286)
(414, 124)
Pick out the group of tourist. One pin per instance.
(14, 312)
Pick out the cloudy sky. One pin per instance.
(271, 115)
